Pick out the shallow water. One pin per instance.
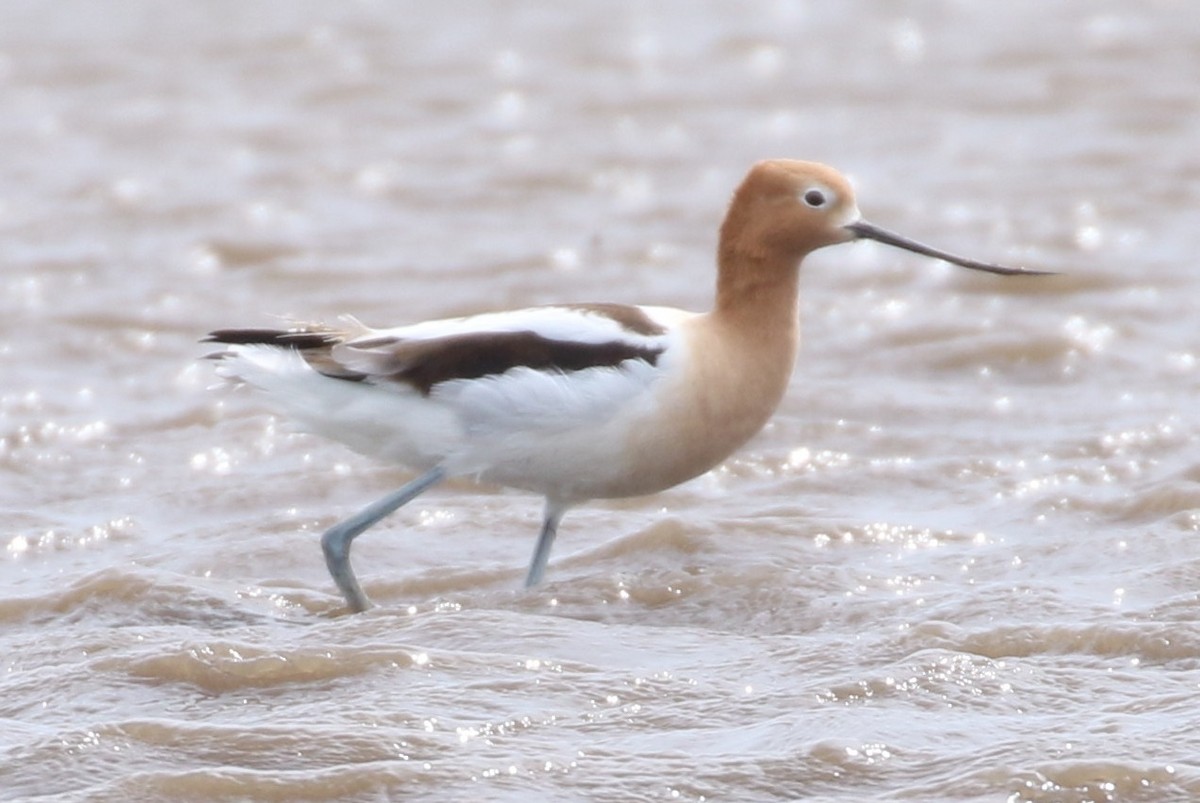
(961, 563)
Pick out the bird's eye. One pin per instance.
(815, 198)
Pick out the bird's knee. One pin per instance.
(335, 545)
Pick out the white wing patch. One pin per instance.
(390, 352)
(528, 400)
(552, 323)
(525, 400)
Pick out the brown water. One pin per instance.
(962, 563)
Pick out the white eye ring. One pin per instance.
(815, 198)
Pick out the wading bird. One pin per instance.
(573, 401)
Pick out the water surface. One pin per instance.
(961, 563)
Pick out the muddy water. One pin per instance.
(961, 563)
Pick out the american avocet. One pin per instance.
(574, 402)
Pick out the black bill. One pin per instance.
(868, 231)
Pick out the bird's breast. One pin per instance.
(710, 401)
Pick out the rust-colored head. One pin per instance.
(785, 209)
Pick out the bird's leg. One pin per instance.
(541, 553)
(336, 540)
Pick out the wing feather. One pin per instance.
(490, 394)
(546, 339)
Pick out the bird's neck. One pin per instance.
(757, 331)
(758, 293)
(757, 269)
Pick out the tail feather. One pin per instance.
(313, 343)
(301, 339)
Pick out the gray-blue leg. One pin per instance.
(336, 540)
(541, 553)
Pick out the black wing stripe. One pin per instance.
(427, 363)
